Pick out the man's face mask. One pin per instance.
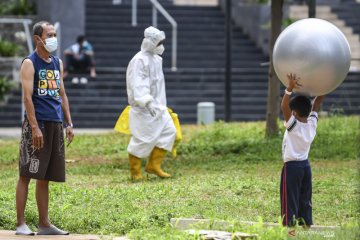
(159, 49)
(50, 44)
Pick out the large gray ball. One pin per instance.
(316, 51)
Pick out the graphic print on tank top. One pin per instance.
(49, 83)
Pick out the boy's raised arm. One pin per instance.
(293, 83)
(317, 103)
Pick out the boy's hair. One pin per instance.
(301, 105)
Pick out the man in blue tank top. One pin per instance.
(42, 155)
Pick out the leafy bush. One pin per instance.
(288, 21)
(8, 49)
(337, 138)
(17, 7)
(261, 1)
(5, 87)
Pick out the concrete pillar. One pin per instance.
(70, 14)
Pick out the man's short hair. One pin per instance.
(38, 29)
(80, 39)
(301, 105)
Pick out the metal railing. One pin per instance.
(25, 22)
(57, 27)
(156, 6)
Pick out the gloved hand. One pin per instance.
(150, 107)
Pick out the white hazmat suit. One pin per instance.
(150, 122)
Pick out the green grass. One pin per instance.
(224, 172)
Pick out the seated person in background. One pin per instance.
(79, 58)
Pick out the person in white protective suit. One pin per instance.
(151, 126)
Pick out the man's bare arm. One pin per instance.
(65, 106)
(27, 81)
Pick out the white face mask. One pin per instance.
(159, 49)
(51, 44)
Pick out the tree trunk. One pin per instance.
(273, 99)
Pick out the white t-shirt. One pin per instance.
(298, 138)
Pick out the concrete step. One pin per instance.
(325, 12)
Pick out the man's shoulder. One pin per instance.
(56, 60)
(31, 57)
(157, 57)
(87, 45)
(141, 57)
(27, 63)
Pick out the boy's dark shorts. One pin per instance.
(47, 163)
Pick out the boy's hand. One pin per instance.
(293, 82)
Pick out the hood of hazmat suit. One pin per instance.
(152, 38)
(145, 85)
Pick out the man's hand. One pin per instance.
(293, 82)
(37, 138)
(69, 134)
(150, 107)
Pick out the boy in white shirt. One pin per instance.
(296, 188)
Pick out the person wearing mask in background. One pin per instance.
(151, 126)
(79, 58)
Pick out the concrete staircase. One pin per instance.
(326, 12)
(200, 75)
(349, 11)
(200, 62)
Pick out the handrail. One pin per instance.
(57, 27)
(157, 7)
(134, 13)
(160, 8)
(26, 22)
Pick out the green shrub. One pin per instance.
(8, 49)
(287, 22)
(17, 7)
(261, 1)
(337, 138)
(5, 87)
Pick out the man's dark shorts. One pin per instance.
(47, 163)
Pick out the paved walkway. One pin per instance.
(15, 132)
(10, 235)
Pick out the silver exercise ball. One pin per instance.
(316, 51)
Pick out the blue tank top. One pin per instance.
(46, 95)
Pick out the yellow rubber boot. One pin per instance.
(154, 165)
(135, 167)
